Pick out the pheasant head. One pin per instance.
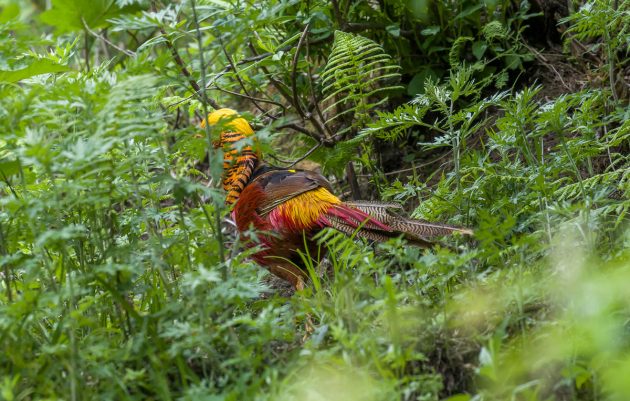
(239, 160)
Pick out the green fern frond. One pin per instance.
(615, 179)
(619, 136)
(453, 54)
(357, 70)
(494, 30)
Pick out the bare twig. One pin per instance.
(262, 56)
(337, 14)
(417, 166)
(296, 127)
(105, 40)
(546, 63)
(319, 135)
(238, 78)
(313, 94)
(364, 26)
(296, 57)
(253, 99)
(351, 175)
(292, 163)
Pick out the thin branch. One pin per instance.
(543, 60)
(86, 50)
(337, 14)
(313, 94)
(296, 57)
(258, 57)
(294, 162)
(411, 168)
(277, 84)
(238, 78)
(303, 130)
(105, 40)
(253, 99)
(320, 135)
(364, 26)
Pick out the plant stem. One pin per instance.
(202, 70)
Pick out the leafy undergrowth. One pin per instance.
(116, 284)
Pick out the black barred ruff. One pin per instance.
(238, 166)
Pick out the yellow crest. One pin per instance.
(235, 124)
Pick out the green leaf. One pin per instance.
(73, 15)
(479, 48)
(416, 85)
(420, 9)
(9, 168)
(42, 66)
(513, 61)
(469, 11)
(430, 31)
(9, 12)
(393, 30)
(459, 397)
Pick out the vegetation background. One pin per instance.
(122, 279)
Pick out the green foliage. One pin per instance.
(357, 72)
(75, 15)
(38, 67)
(116, 283)
(604, 24)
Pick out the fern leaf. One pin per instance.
(357, 70)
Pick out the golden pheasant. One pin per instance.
(288, 207)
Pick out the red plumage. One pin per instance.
(288, 207)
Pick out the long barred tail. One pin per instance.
(379, 221)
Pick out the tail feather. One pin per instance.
(340, 225)
(425, 228)
(378, 221)
(385, 212)
(373, 234)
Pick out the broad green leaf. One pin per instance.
(459, 397)
(513, 61)
(8, 12)
(416, 85)
(9, 168)
(393, 30)
(479, 48)
(73, 15)
(469, 11)
(38, 67)
(430, 31)
(420, 9)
